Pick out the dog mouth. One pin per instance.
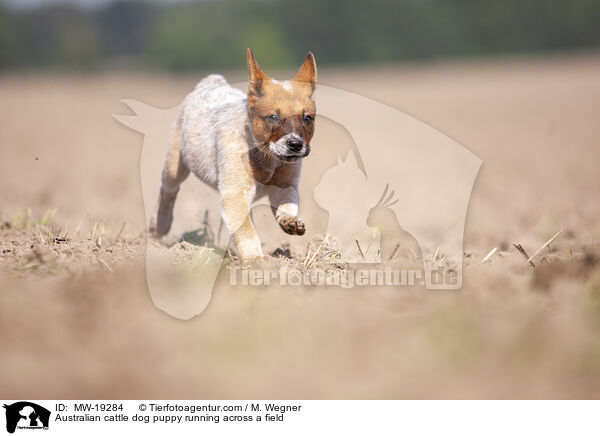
(292, 157)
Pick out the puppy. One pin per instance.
(243, 146)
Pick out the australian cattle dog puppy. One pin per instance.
(239, 144)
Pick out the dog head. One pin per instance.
(282, 114)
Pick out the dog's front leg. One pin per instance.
(284, 202)
(235, 204)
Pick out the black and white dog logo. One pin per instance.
(26, 415)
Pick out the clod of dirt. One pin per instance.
(42, 254)
(579, 268)
(283, 251)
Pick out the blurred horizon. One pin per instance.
(179, 35)
(23, 5)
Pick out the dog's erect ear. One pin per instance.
(256, 76)
(308, 71)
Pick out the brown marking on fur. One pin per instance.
(260, 164)
(267, 96)
(292, 225)
(307, 72)
(256, 75)
(286, 175)
(267, 170)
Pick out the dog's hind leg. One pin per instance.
(173, 174)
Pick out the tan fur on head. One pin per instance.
(282, 111)
(308, 71)
(256, 75)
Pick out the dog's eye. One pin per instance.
(308, 119)
(273, 118)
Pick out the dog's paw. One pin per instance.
(292, 225)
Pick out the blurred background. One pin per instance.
(179, 35)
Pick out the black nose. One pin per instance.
(295, 144)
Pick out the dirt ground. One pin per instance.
(76, 319)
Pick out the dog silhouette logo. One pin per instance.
(398, 195)
(26, 415)
(351, 220)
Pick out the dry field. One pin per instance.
(76, 319)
